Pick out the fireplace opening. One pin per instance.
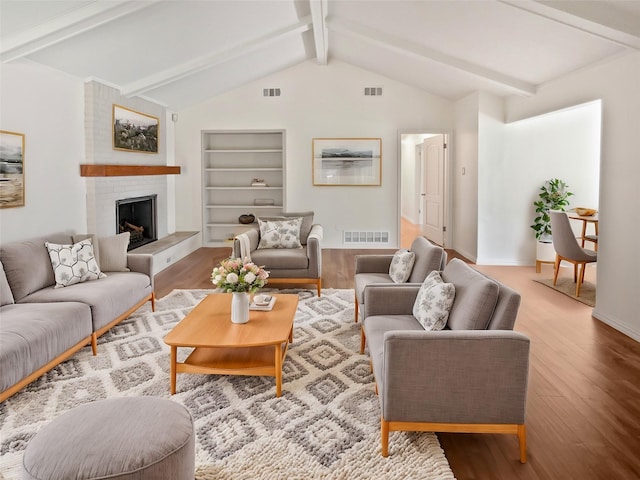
(137, 216)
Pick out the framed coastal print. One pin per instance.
(11, 169)
(347, 161)
(134, 131)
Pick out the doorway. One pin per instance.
(424, 190)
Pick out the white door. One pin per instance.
(433, 190)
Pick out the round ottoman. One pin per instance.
(121, 438)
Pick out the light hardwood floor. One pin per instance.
(583, 407)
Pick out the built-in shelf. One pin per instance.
(104, 170)
(231, 162)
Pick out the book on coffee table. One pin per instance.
(264, 307)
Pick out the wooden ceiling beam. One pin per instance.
(319, 9)
(595, 18)
(422, 52)
(199, 64)
(67, 26)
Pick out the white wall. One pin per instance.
(316, 101)
(516, 159)
(465, 185)
(48, 107)
(617, 84)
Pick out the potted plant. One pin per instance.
(554, 195)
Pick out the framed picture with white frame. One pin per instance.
(347, 161)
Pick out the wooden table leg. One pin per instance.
(278, 368)
(174, 356)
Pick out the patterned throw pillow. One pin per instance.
(73, 263)
(434, 301)
(280, 233)
(401, 265)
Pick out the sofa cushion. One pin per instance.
(6, 297)
(476, 296)
(281, 258)
(31, 335)
(433, 302)
(27, 265)
(108, 297)
(113, 252)
(361, 280)
(401, 265)
(73, 263)
(429, 257)
(280, 233)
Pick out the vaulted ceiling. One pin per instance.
(180, 52)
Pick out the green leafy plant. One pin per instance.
(554, 195)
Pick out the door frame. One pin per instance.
(448, 177)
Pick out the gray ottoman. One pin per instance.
(122, 438)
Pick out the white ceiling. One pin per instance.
(181, 52)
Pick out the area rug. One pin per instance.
(326, 424)
(567, 287)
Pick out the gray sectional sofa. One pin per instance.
(41, 326)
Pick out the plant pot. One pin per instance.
(545, 252)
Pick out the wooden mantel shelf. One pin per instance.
(102, 170)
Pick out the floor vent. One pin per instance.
(373, 91)
(270, 92)
(365, 237)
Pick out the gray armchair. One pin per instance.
(287, 265)
(470, 377)
(374, 269)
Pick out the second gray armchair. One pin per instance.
(287, 265)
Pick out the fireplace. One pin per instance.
(137, 216)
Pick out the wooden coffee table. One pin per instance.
(221, 347)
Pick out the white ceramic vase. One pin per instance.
(545, 252)
(239, 307)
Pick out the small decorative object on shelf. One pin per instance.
(236, 276)
(246, 218)
(258, 182)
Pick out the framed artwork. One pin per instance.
(347, 161)
(134, 131)
(11, 169)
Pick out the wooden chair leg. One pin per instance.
(363, 340)
(355, 299)
(153, 301)
(384, 437)
(522, 442)
(583, 266)
(575, 273)
(94, 344)
(556, 269)
(319, 286)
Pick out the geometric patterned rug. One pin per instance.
(326, 424)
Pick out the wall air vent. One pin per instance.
(351, 237)
(372, 91)
(270, 92)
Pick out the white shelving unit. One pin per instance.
(231, 159)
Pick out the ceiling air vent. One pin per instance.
(372, 91)
(270, 92)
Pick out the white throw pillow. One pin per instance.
(73, 263)
(434, 301)
(280, 233)
(401, 265)
(113, 252)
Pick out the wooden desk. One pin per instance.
(585, 221)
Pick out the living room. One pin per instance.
(50, 108)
